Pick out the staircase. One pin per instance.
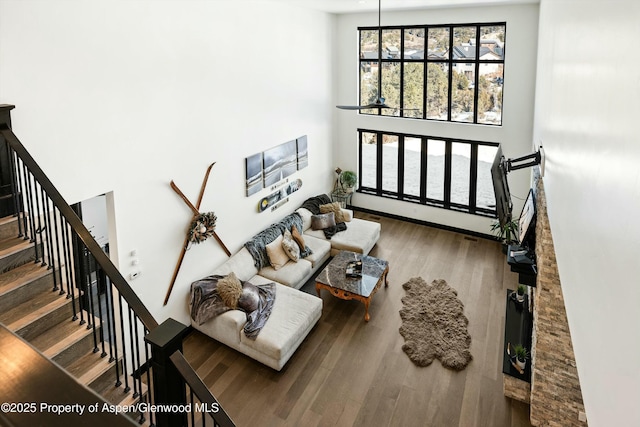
(34, 305)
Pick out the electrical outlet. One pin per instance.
(135, 275)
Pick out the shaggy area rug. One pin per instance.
(433, 324)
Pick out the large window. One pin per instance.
(446, 72)
(442, 172)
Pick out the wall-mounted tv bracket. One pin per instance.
(530, 159)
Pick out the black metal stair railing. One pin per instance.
(100, 296)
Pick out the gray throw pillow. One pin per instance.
(322, 221)
(250, 298)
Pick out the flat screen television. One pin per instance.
(501, 188)
(527, 221)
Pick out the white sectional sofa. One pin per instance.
(294, 313)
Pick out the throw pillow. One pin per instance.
(298, 237)
(276, 254)
(250, 298)
(335, 208)
(229, 288)
(322, 221)
(290, 246)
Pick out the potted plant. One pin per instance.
(507, 233)
(522, 355)
(348, 181)
(520, 293)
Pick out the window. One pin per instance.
(442, 172)
(446, 72)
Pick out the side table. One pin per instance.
(341, 197)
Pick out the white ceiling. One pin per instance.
(354, 6)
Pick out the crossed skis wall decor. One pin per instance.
(201, 227)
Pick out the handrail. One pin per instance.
(76, 224)
(200, 390)
(25, 386)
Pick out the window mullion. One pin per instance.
(447, 173)
(473, 178)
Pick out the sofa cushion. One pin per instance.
(322, 221)
(306, 215)
(276, 254)
(360, 236)
(290, 246)
(250, 298)
(229, 288)
(241, 264)
(321, 251)
(225, 327)
(293, 314)
(291, 274)
(335, 208)
(297, 237)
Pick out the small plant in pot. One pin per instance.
(522, 355)
(520, 293)
(348, 181)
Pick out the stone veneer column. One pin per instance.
(556, 397)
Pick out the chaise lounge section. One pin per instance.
(294, 313)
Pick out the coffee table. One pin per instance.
(334, 278)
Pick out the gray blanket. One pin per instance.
(257, 246)
(207, 304)
(312, 204)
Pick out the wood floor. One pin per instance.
(351, 373)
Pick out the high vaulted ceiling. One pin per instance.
(355, 6)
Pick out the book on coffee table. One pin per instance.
(354, 269)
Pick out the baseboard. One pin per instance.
(425, 223)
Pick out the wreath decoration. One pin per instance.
(202, 227)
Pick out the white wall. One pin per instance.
(586, 118)
(123, 97)
(515, 134)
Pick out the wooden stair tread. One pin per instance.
(117, 395)
(31, 310)
(21, 276)
(13, 245)
(89, 367)
(8, 220)
(56, 339)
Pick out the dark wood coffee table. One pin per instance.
(334, 278)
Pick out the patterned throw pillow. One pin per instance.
(276, 254)
(229, 288)
(335, 208)
(290, 246)
(322, 221)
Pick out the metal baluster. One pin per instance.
(38, 214)
(58, 219)
(47, 226)
(133, 355)
(124, 348)
(100, 283)
(14, 188)
(27, 196)
(32, 215)
(71, 288)
(20, 182)
(91, 317)
(110, 321)
(149, 385)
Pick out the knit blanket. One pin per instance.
(257, 246)
(312, 204)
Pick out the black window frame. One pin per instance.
(446, 203)
(450, 62)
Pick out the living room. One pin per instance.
(148, 92)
